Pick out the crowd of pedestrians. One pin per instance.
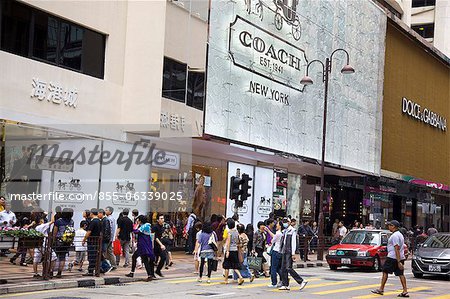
(273, 246)
(98, 241)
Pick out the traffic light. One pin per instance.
(235, 187)
(245, 187)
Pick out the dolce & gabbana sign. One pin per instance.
(424, 115)
(258, 51)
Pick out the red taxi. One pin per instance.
(360, 248)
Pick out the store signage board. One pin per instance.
(424, 115)
(164, 159)
(257, 54)
(52, 163)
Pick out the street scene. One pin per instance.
(224, 149)
(323, 284)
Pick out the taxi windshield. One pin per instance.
(362, 237)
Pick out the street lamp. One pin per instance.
(326, 71)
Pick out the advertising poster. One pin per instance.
(280, 183)
(245, 213)
(263, 194)
(76, 189)
(128, 187)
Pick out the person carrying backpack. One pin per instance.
(63, 236)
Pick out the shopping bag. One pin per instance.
(255, 263)
(116, 247)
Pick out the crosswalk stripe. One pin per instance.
(446, 296)
(412, 290)
(205, 279)
(308, 286)
(368, 286)
(255, 285)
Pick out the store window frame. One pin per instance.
(198, 86)
(423, 3)
(426, 32)
(170, 69)
(93, 72)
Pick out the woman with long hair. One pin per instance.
(205, 249)
(231, 260)
(144, 248)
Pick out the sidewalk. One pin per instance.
(19, 279)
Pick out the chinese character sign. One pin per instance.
(54, 93)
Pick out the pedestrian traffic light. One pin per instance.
(245, 187)
(235, 187)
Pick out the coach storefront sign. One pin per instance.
(257, 50)
(424, 115)
(257, 54)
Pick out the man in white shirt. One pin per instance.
(342, 230)
(7, 217)
(395, 259)
(288, 248)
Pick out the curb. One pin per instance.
(310, 265)
(65, 284)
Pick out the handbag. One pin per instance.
(214, 264)
(117, 248)
(212, 242)
(255, 263)
(270, 249)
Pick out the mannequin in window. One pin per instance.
(199, 197)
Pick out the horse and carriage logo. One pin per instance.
(127, 187)
(284, 11)
(73, 184)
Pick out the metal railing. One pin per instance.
(46, 255)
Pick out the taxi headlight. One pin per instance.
(332, 252)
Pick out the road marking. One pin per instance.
(205, 279)
(320, 285)
(368, 286)
(441, 297)
(255, 285)
(35, 292)
(393, 293)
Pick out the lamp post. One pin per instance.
(326, 71)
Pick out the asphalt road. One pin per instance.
(323, 283)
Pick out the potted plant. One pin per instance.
(6, 239)
(27, 238)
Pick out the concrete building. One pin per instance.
(106, 74)
(429, 18)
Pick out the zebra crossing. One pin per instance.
(317, 287)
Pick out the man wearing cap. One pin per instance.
(395, 259)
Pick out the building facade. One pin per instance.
(430, 19)
(217, 86)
